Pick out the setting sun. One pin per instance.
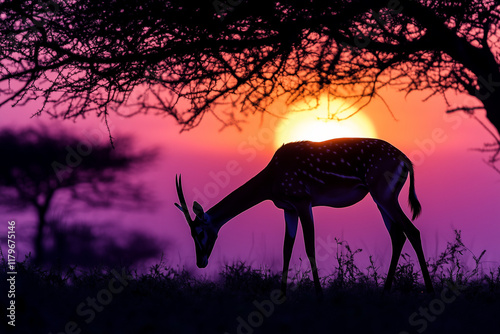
(315, 125)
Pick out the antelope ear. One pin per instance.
(198, 210)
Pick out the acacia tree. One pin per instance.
(37, 167)
(185, 57)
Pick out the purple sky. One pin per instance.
(455, 187)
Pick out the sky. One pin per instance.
(455, 186)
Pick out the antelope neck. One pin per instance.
(254, 191)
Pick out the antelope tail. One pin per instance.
(415, 206)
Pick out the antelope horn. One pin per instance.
(183, 207)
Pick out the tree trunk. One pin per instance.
(42, 222)
(492, 105)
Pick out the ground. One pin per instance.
(246, 300)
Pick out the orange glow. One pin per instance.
(314, 125)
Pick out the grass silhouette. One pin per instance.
(244, 299)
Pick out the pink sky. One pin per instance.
(455, 187)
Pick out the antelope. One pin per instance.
(301, 175)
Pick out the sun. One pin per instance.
(315, 125)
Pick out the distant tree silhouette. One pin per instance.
(82, 245)
(184, 57)
(38, 166)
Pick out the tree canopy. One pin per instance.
(183, 58)
(38, 166)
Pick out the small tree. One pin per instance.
(38, 166)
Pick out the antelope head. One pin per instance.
(203, 233)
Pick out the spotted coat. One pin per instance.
(305, 165)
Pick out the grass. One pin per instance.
(244, 299)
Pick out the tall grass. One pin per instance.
(449, 266)
(174, 300)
